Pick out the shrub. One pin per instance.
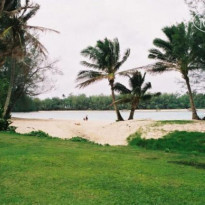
(175, 141)
(134, 139)
(79, 139)
(83, 140)
(4, 124)
(39, 134)
(12, 129)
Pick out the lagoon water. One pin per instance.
(109, 115)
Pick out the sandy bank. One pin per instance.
(114, 133)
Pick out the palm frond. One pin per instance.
(146, 87)
(169, 32)
(91, 81)
(157, 54)
(36, 43)
(123, 99)
(42, 29)
(136, 81)
(92, 53)
(89, 65)
(116, 49)
(31, 13)
(6, 32)
(125, 57)
(121, 88)
(88, 77)
(166, 46)
(160, 67)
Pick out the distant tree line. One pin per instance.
(103, 102)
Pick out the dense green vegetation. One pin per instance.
(175, 141)
(102, 102)
(52, 171)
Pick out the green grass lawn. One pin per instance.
(37, 170)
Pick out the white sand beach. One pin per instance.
(114, 133)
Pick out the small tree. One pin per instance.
(136, 93)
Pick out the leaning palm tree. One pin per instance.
(177, 53)
(105, 64)
(136, 93)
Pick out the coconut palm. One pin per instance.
(136, 93)
(105, 64)
(178, 53)
(16, 35)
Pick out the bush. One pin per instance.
(12, 129)
(175, 141)
(39, 134)
(83, 140)
(79, 139)
(4, 124)
(134, 139)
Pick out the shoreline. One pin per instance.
(141, 110)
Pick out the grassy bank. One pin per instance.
(178, 141)
(37, 170)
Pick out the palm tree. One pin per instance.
(16, 37)
(136, 93)
(105, 63)
(177, 53)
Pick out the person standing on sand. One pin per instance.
(86, 118)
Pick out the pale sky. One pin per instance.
(82, 22)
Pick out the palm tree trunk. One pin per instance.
(2, 6)
(132, 112)
(133, 108)
(11, 84)
(193, 108)
(119, 116)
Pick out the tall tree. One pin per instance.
(31, 77)
(179, 52)
(105, 64)
(136, 93)
(16, 36)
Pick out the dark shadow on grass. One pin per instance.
(189, 163)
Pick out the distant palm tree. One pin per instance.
(136, 93)
(177, 53)
(105, 63)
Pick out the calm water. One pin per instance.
(108, 115)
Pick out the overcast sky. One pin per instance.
(82, 22)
